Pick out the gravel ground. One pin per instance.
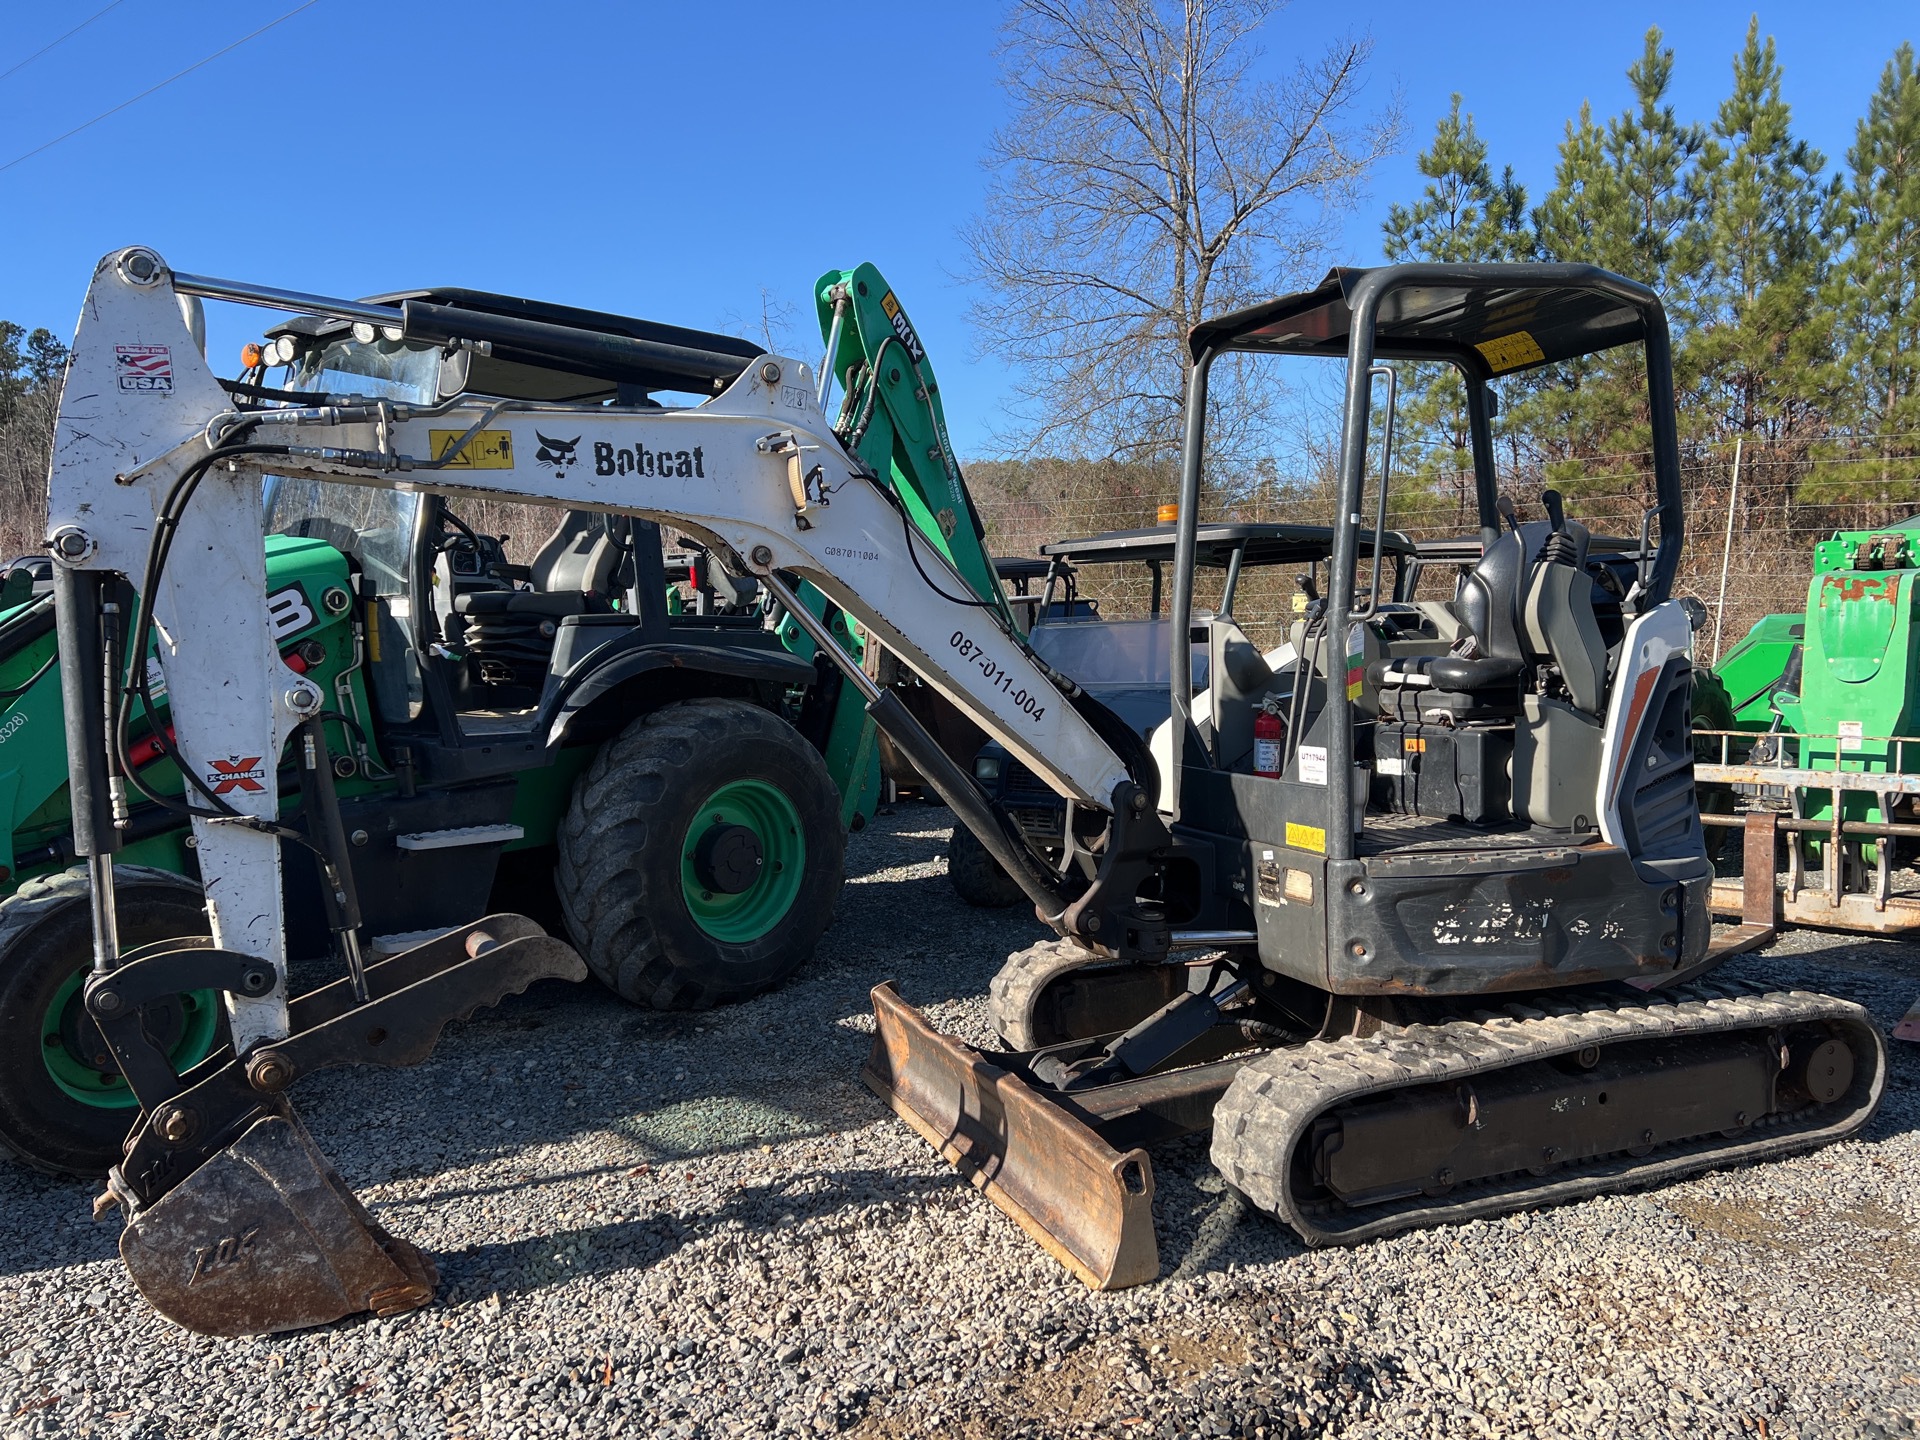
(658, 1225)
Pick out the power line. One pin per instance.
(177, 75)
(68, 36)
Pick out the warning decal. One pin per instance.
(1510, 352)
(489, 450)
(1307, 837)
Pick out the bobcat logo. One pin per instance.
(557, 453)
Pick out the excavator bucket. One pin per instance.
(236, 1223)
(1089, 1205)
(266, 1237)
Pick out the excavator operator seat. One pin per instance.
(1488, 602)
(1239, 678)
(509, 634)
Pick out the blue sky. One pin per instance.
(673, 161)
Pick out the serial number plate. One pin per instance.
(996, 674)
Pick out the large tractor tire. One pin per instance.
(701, 856)
(976, 876)
(64, 1106)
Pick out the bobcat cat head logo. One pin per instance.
(557, 453)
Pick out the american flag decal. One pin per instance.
(144, 367)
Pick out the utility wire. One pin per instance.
(177, 75)
(68, 36)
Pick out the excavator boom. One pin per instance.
(156, 481)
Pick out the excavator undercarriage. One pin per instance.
(1462, 1114)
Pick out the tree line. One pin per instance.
(1793, 287)
(32, 365)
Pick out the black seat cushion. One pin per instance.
(1455, 672)
(520, 602)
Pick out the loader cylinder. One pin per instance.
(77, 598)
(936, 767)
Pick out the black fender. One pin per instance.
(603, 669)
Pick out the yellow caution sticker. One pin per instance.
(1413, 746)
(489, 450)
(1510, 352)
(1307, 837)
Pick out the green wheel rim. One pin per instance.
(775, 822)
(80, 1081)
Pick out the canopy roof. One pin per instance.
(1493, 319)
(1214, 545)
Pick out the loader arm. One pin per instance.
(149, 445)
(894, 421)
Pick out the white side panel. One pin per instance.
(1651, 641)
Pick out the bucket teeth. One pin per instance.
(266, 1237)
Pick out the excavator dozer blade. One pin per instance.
(266, 1237)
(1090, 1206)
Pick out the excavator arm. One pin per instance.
(156, 481)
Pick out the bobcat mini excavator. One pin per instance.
(1462, 1090)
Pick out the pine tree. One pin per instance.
(1759, 259)
(1872, 300)
(1464, 215)
(1626, 197)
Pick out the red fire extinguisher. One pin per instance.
(1269, 731)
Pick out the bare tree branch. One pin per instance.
(1152, 174)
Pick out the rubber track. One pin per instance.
(1016, 987)
(1273, 1102)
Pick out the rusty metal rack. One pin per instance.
(1773, 771)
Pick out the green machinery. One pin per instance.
(1809, 741)
(494, 728)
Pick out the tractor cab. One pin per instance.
(479, 663)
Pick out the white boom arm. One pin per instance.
(141, 407)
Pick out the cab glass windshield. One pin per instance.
(374, 526)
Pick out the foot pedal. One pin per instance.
(266, 1237)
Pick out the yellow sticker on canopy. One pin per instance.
(1307, 837)
(489, 450)
(1510, 352)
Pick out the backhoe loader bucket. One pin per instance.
(1089, 1205)
(266, 1237)
(236, 1223)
